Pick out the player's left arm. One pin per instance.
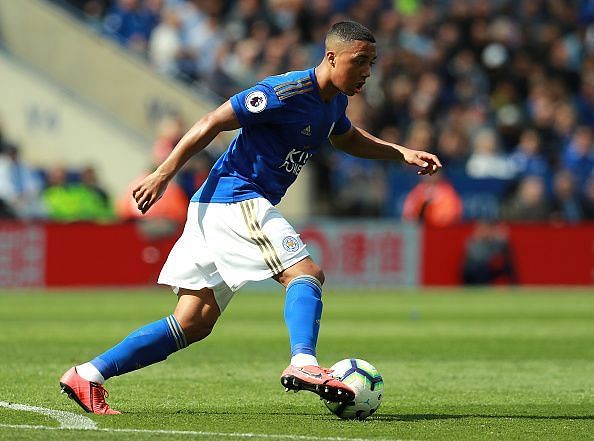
(358, 142)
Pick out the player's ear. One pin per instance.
(331, 57)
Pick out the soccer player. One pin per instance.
(233, 233)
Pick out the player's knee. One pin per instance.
(306, 267)
(196, 331)
(319, 274)
(313, 269)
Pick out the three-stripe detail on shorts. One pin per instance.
(248, 208)
(177, 332)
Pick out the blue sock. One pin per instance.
(150, 344)
(303, 310)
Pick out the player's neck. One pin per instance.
(325, 87)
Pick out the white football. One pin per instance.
(367, 383)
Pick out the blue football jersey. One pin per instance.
(283, 123)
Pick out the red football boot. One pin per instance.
(317, 380)
(90, 396)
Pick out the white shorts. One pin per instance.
(225, 245)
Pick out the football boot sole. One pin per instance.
(331, 394)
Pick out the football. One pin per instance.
(367, 383)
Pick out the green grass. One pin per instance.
(457, 365)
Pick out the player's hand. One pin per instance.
(149, 191)
(428, 162)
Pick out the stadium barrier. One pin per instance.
(80, 255)
(357, 253)
(541, 254)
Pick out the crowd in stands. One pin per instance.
(501, 90)
(58, 194)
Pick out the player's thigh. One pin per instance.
(190, 264)
(250, 241)
(197, 312)
(305, 267)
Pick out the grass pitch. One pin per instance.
(457, 365)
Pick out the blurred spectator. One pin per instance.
(194, 173)
(541, 108)
(165, 45)
(93, 11)
(565, 122)
(452, 149)
(529, 203)
(420, 135)
(485, 160)
(4, 143)
(169, 132)
(20, 187)
(526, 159)
(130, 22)
(434, 202)
(585, 99)
(88, 178)
(244, 16)
(488, 257)
(203, 40)
(73, 201)
(240, 64)
(578, 156)
(567, 203)
(359, 191)
(397, 92)
(588, 198)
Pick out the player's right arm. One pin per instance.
(151, 188)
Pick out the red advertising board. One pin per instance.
(80, 254)
(110, 255)
(22, 255)
(351, 253)
(364, 253)
(541, 254)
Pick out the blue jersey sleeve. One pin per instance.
(256, 105)
(343, 123)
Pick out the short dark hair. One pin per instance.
(350, 31)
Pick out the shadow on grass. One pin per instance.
(260, 413)
(267, 414)
(431, 416)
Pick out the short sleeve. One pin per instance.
(342, 125)
(256, 105)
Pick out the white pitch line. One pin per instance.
(248, 435)
(67, 420)
(72, 421)
(201, 433)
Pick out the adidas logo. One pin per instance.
(306, 131)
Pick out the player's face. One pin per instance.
(352, 66)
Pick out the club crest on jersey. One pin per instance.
(290, 244)
(256, 101)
